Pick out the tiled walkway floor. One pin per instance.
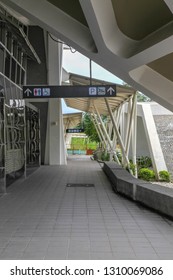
(41, 218)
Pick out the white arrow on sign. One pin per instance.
(110, 90)
(28, 91)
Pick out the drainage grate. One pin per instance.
(80, 185)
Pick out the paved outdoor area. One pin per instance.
(41, 218)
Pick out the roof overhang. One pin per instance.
(72, 120)
(123, 94)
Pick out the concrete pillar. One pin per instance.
(55, 143)
(155, 149)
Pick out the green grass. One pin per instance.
(82, 144)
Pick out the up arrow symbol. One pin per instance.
(110, 90)
(28, 91)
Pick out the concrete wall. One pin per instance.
(48, 72)
(141, 145)
(154, 196)
(37, 73)
(164, 126)
(148, 142)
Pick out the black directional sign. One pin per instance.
(74, 130)
(40, 91)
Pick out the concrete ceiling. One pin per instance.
(132, 39)
(139, 19)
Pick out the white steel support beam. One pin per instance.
(128, 121)
(110, 130)
(106, 134)
(155, 149)
(119, 111)
(55, 151)
(103, 127)
(99, 135)
(110, 127)
(116, 117)
(98, 132)
(121, 123)
(130, 124)
(134, 135)
(117, 132)
(99, 129)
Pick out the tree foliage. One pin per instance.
(89, 128)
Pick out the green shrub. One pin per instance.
(144, 162)
(119, 156)
(105, 156)
(164, 176)
(146, 174)
(131, 168)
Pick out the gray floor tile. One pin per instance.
(11, 255)
(122, 249)
(55, 222)
(80, 255)
(33, 256)
(101, 256)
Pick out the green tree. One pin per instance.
(89, 128)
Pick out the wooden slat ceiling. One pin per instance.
(87, 104)
(71, 120)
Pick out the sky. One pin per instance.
(79, 64)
